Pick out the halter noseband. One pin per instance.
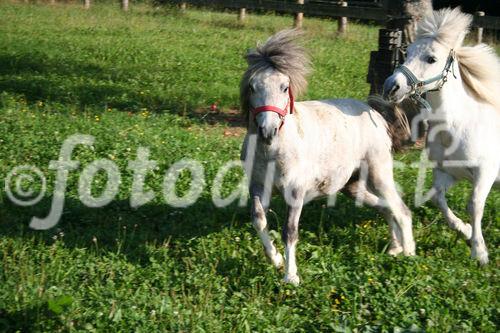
(417, 86)
(271, 108)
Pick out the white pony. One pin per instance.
(462, 85)
(310, 149)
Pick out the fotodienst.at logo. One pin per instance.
(141, 194)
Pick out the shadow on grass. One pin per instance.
(27, 74)
(27, 319)
(117, 222)
(65, 81)
(119, 228)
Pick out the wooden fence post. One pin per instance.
(86, 4)
(342, 20)
(125, 5)
(479, 29)
(183, 6)
(299, 17)
(242, 14)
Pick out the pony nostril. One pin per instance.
(390, 92)
(390, 87)
(261, 131)
(275, 131)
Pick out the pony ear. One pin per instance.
(461, 22)
(460, 39)
(252, 56)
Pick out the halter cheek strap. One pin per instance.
(271, 108)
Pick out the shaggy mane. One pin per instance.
(479, 65)
(282, 53)
(480, 70)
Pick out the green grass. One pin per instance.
(145, 79)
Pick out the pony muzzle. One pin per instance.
(395, 88)
(268, 125)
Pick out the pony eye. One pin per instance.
(431, 59)
(252, 89)
(285, 90)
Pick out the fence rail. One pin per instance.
(390, 13)
(309, 9)
(487, 22)
(324, 9)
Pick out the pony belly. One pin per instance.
(455, 165)
(460, 173)
(313, 185)
(331, 183)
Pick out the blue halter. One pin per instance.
(417, 86)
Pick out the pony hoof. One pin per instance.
(481, 257)
(395, 250)
(468, 231)
(292, 279)
(277, 260)
(409, 251)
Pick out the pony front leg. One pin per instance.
(441, 183)
(482, 186)
(259, 222)
(290, 237)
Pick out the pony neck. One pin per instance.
(452, 103)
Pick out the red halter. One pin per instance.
(281, 112)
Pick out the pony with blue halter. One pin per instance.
(462, 110)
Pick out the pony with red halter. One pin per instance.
(323, 147)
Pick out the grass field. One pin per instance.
(146, 79)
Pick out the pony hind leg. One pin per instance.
(359, 192)
(442, 182)
(259, 222)
(482, 186)
(381, 178)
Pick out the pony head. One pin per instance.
(439, 36)
(275, 69)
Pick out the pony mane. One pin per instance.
(447, 26)
(479, 65)
(282, 53)
(480, 71)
